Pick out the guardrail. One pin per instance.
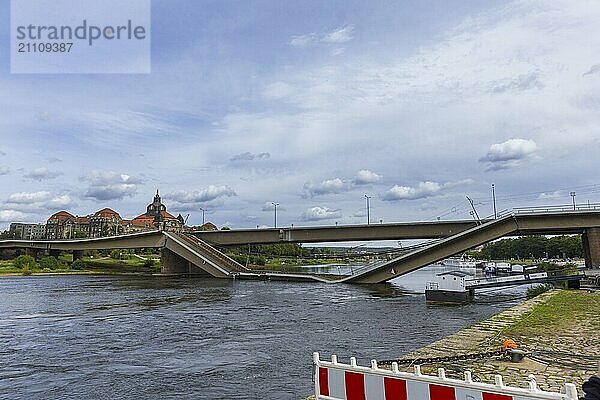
(336, 381)
(557, 208)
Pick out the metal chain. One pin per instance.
(431, 360)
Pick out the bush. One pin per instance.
(24, 262)
(50, 263)
(148, 263)
(259, 260)
(78, 265)
(119, 254)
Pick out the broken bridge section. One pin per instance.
(186, 254)
(512, 225)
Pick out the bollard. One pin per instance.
(498, 380)
(532, 383)
(468, 377)
(442, 373)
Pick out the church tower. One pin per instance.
(155, 208)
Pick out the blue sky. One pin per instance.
(312, 105)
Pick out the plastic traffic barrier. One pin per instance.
(337, 381)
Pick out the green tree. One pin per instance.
(7, 235)
(25, 262)
(533, 246)
(79, 234)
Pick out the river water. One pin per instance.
(152, 338)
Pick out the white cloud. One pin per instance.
(12, 216)
(340, 35)
(336, 36)
(4, 170)
(303, 40)
(421, 191)
(522, 82)
(340, 185)
(59, 202)
(319, 214)
(37, 202)
(247, 156)
(509, 154)
(42, 174)
(328, 186)
(28, 198)
(211, 193)
(550, 195)
(110, 185)
(365, 177)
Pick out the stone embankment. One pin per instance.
(559, 329)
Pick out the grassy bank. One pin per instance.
(559, 329)
(84, 266)
(560, 312)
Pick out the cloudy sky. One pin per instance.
(313, 105)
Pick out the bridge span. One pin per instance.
(338, 233)
(192, 254)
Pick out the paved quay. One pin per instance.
(559, 329)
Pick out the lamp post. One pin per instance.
(573, 196)
(494, 200)
(203, 210)
(368, 198)
(275, 209)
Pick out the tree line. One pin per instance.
(533, 247)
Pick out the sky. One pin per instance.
(313, 105)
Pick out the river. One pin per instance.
(90, 337)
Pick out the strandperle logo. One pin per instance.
(80, 36)
(85, 31)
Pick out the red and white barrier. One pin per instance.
(336, 381)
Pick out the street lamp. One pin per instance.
(275, 209)
(203, 210)
(494, 200)
(573, 196)
(368, 198)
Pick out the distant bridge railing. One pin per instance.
(543, 209)
(557, 208)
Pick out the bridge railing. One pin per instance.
(557, 208)
(211, 252)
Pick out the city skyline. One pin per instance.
(313, 106)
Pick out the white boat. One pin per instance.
(463, 261)
(499, 266)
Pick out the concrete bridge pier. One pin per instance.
(54, 253)
(77, 255)
(173, 264)
(32, 252)
(591, 247)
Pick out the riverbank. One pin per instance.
(21, 266)
(559, 329)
